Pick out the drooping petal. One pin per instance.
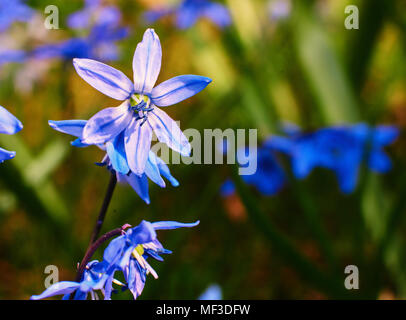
(9, 124)
(147, 62)
(152, 170)
(137, 141)
(168, 225)
(178, 89)
(6, 155)
(168, 131)
(164, 170)
(116, 152)
(63, 287)
(72, 127)
(140, 185)
(106, 79)
(114, 250)
(106, 124)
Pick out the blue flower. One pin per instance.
(340, 148)
(9, 124)
(129, 253)
(189, 11)
(13, 10)
(92, 280)
(115, 161)
(129, 126)
(213, 292)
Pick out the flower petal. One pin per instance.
(167, 131)
(164, 170)
(152, 170)
(147, 62)
(6, 155)
(140, 185)
(72, 127)
(178, 89)
(168, 225)
(106, 124)
(137, 141)
(106, 79)
(9, 124)
(116, 152)
(63, 287)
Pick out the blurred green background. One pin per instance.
(305, 68)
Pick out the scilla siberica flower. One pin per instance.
(129, 127)
(127, 253)
(189, 11)
(9, 124)
(154, 168)
(339, 148)
(13, 10)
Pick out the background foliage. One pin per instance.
(307, 69)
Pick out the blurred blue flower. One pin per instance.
(279, 9)
(340, 148)
(7, 56)
(115, 158)
(13, 10)
(94, 12)
(213, 292)
(189, 11)
(9, 124)
(129, 126)
(92, 281)
(227, 188)
(129, 253)
(269, 177)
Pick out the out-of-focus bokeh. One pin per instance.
(278, 61)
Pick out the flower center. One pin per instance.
(139, 249)
(141, 105)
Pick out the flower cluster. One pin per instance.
(128, 254)
(104, 23)
(341, 149)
